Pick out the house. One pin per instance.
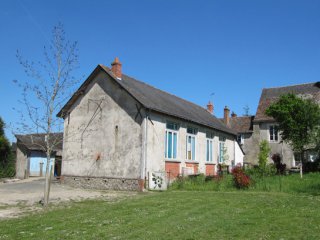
(31, 159)
(243, 126)
(253, 129)
(121, 133)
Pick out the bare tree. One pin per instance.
(49, 85)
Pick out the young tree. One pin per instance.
(50, 85)
(263, 154)
(298, 119)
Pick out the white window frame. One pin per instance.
(220, 159)
(195, 147)
(273, 133)
(167, 144)
(173, 130)
(210, 141)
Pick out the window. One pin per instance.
(191, 147)
(209, 150)
(222, 149)
(221, 152)
(273, 133)
(171, 141)
(191, 143)
(172, 126)
(210, 135)
(240, 139)
(191, 130)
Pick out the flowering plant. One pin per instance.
(240, 179)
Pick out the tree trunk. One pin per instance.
(47, 182)
(301, 156)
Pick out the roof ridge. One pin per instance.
(159, 89)
(293, 85)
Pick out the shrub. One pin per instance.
(281, 168)
(240, 179)
(263, 154)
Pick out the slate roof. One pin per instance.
(271, 95)
(242, 124)
(37, 141)
(156, 100)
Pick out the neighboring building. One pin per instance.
(253, 129)
(118, 131)
(31, 159)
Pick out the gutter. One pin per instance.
(143, 172)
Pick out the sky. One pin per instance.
(223, 51)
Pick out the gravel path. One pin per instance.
(25, 195)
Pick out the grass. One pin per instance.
(176, 215)
(310, 184)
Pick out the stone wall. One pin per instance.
(102, 183)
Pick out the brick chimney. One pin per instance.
(210, 107)
(226, 117)
(116, 68)
(233, 115)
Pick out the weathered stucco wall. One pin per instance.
(283, 149)
(105, 143)
(261, 132)
(156, 144)
(21, 163)
(101, 136)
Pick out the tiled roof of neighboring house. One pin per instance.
(37, 141)
(156, 100)
(242, 124)
(14, 147)
(271, 95)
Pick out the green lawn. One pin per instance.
(177, 215)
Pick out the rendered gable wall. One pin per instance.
(102, 139)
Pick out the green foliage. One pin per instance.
(268, 183)
(263, 154)
(202, 183)
(297, 119)
(6, 159)
(292, 184)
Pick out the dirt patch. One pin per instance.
(10, 212)
(18, 198)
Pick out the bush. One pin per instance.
(7, 167)
(203, 183)
(240, 179)
(263, 154)
(311, 166)
(281, 168)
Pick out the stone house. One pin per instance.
(253, 129)
(31, 159)
(119, 132)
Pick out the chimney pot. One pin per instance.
(226, 117)
(116, 68)
(233, 115)
(210, 107)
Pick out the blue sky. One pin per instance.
(188, 48)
